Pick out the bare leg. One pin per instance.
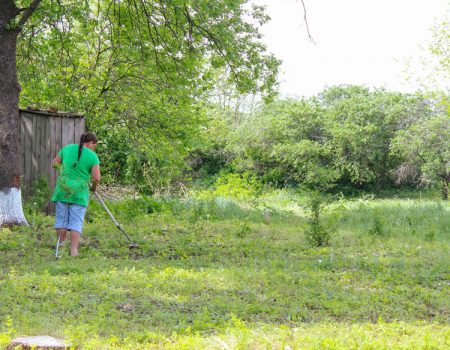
(74, 239)
(61, 234)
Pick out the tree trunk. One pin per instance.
(11, 212)
(445, 189)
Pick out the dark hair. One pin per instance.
(86, 137)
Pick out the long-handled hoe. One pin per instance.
(132, 245)
(57, 247)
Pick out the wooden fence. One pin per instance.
(43, 134)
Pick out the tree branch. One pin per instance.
(311, 39)
(420, 156)
(28, 12)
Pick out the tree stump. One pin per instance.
(38, 343)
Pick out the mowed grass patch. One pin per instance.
(234, 283)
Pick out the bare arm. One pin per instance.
(56, 162)
(95, 177)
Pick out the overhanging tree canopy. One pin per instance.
(78, 53)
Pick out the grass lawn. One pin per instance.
(228, 279)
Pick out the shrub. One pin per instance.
(237, 186)
(319, 230)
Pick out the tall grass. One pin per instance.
(217, 274)
(423, 219)
(409, 218)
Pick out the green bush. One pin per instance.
(235, 186)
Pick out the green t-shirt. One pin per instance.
(73, 182)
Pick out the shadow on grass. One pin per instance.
(202, 276)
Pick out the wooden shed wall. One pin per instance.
(43, 135)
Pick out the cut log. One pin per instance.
(38, 343)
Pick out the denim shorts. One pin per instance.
(69, 216)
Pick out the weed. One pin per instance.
(430, 236)
(377, 228)
(318, 234)
(244, 230)
(229, 281)
(39, 200)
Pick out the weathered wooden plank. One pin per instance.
(22, 146)
(55, 143)
(48, 151)
(79, 129)
(68, 131)
(42, 151)
(43, 162)
(48, 155)
(28, 131)
(52, 138)
(35, 150)
(40, 125)
(24, 137)
(58, 141)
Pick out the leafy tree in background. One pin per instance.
(434, 72)
(361, 125)
(148, 79)
(425, 148)
(288, 144)
(283, 143)
(341, 137)
(129, 63)
(440, 49)
(226, 111)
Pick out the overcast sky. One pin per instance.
(362, 42)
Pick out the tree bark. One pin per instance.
(11, 212)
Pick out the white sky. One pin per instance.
(364, 42)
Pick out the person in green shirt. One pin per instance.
(79, 164)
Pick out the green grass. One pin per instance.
(215, 275)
